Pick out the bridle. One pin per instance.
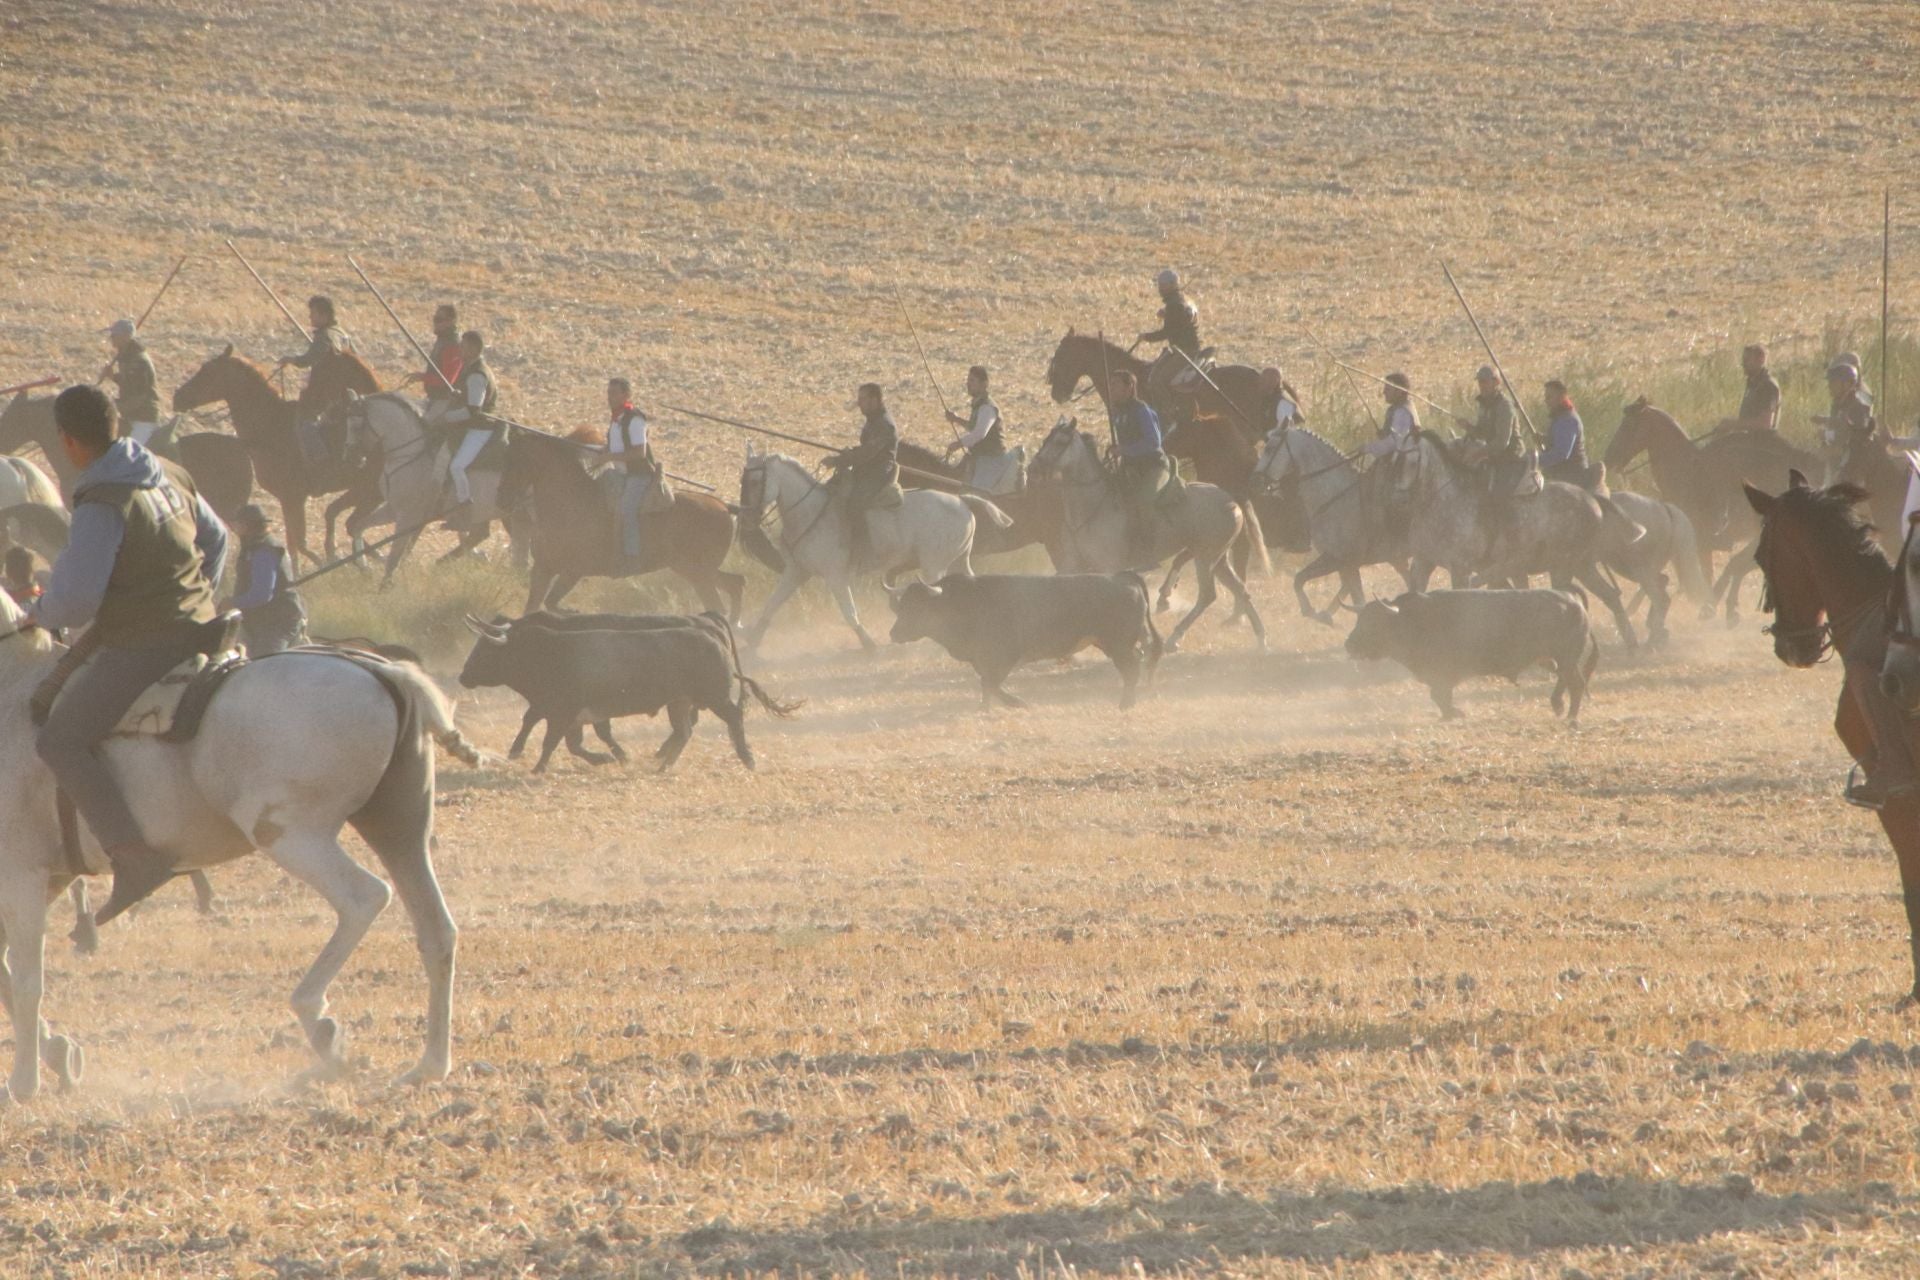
(1828, 634)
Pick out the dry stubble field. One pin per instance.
(1275, 974)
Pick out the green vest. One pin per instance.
(158, 591)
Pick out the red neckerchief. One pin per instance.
(1564, 405)
(623, 410)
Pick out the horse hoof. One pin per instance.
(327, 1040)
(1171, 646)
(423, 1072)
(65, 1059)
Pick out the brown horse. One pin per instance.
(1084, 357)
(1825, 577)
(219, 464)
(1703, 478)
(576, 534)
(265, 423)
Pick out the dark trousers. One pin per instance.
(1893, 760)
(89, 707)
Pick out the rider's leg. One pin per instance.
(89, 707)
(470, 446)
(632, 498)
(1890, 773)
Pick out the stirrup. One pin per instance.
(1855, 792)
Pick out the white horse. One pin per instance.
(929, 532)
(413, 475)
(292, 748)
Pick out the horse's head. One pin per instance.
(216, 380)
(1815, 552)
(1276, 464)
(753, 488)
(1057, 448)
(1631, 438)
(1069, 365)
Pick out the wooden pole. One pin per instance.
(1352, 386)
(47, 381)
(1488, 347)
(141, 322)
(924, 365)
(1886, 269)
(815, 444)
(297, 326)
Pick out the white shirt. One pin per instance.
(1400, 429)
(633, 439)
(1285, 412)
(984, 419)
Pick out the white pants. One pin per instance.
(470, 446)
(141, 432)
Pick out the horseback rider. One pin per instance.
(1760, 403)
(1399, 435)
(1850, 424)
(1179, 330)
(272, 615)
(140, 564)
(136, 383)
(327, 340)
(1565, 456)
(1491, 443)
(443, 377)
(869, 473)
(473, 413)
(983, 438)
(1279, 402)
(629, 450)
(1143, 461)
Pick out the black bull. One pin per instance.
(591, 668)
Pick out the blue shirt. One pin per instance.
(1564, 436)
(1137, 428)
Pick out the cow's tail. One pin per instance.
(1250, 529)
(1685, 554)
(432, 707)
(781, 710)
(1155, 645)
(985, 513)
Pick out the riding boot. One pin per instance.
(137, 871)
(1890, 772)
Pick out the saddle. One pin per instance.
(1185, 379)
(1001, 475)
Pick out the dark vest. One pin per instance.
(139, 398)
(477, 367)
(1182, 323)
(993, 444)
(158, 589)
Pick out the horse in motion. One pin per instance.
(292, 748)
(386, 432)
(930, 533)
(265, 421)
(219, 465)
(1233, 393)
(1825, 577)
(1704, 478)
(1034, 511)
(1204, 523)
(1346, 535)
(1562, 531)
(576, 533)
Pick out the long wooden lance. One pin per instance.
(1351, 384)
(1488, 347)
(141, 322)
(47, 381)
(924, 365)
(1106, 388)
(1374, 377)
(815, 444)
(1886, 267)
(297, 326)
(455, 392)
(1204, 377)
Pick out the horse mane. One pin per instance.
(1833, 515)
(921, 458)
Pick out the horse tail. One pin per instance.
(985, 513)
(1617, 524)
(781, 710)
(1684, 551)
(1251, 530)
(434, 709)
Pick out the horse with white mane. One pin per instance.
(930, 532)
(413, 473)
(292, 748)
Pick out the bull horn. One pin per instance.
(893, 593)
(486, 631)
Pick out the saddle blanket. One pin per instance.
(154, 713)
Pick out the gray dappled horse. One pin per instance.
(1346, 539)
(1095, 538)
(1561, 531)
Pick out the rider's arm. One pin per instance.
(80, 574)
(316, 347)
(1155, 335)
(262, 581)
(210, 535)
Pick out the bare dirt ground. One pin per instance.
(1275, 974)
